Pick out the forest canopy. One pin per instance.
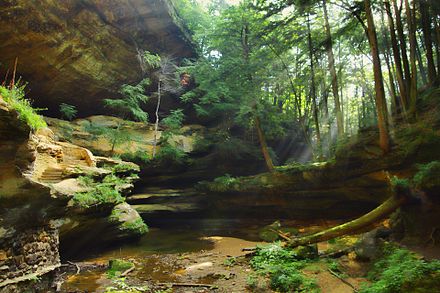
(326, 68)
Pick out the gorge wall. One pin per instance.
(80, 52)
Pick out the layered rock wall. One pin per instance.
(80, 52)
(27, 255)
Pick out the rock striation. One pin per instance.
(80, 52)
(43, 198)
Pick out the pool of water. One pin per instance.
(152, 253)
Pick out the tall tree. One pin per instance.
(396, 55)
(381, 106)
(402, 42)
(313, 86)
(410, 15)
(333, 74)
(426, 21)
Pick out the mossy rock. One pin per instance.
(306, 252)
(117, 267)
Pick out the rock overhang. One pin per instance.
(81, 51)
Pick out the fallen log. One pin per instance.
(386, 208)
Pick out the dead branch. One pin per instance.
(78, 269)
(14, 72)
(210, 286)
(126, 272)
(281, 234)
(343, 280)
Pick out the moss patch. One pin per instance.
(283, 268)
(117, 267)
(16, 99)
(399, 270)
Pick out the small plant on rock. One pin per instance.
(68, 111)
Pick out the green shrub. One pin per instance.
(16, 100)
(400, 270)
(399, 184)
(428, 175)
(283, 268)
(169, 154)
(124, 167)
(101, 194)
(137, 226)
(139, 156)
(68, 111)
(105, 192)
(118, 266)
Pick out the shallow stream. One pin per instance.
(155, 254)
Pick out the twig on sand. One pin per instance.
(210, 286)
(344, 281)
(126, 272)
(78, 269)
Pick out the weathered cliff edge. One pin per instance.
(39, 204)
(89, 48)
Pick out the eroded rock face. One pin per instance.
(141, 135)
(39, 186)
(80, 52)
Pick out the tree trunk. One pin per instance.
(263, 145)
(406, 70)
(334, 77)
(413, 44)
(421, 65)
(313, 87)
(437, 43)
(396, 107)
(156, 124)
(381, 105)
(396, 55)
(353, 226)
(427, 37)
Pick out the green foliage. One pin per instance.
(174, 120)
(152, 60)
(399, 270)
(224, 183)
(137, 226)
(116, 136)
(230, 261)
(283, 268)
(139, 156)
(15, 98)
(169, 154)
(428, 175)
(130, 106)
(99, 193)
(118, 266)
(399, 184)
(68, 111)
(124, 168)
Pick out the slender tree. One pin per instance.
(410, 15)
(381, 105)
(333, 74)
(313, 86)
(396, 55)
(426, 20)
(402, 42)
